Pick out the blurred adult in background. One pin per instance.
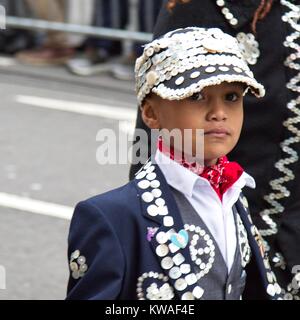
(138, 15)
(269, 148)
(57, 47)
(96, 51)
(110, 14)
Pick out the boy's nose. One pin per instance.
(217, 113)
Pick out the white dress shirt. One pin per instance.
(216, 214)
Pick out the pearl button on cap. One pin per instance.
(195, 74)
(210, 69)
(179, 81)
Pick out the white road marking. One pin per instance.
(98, 110)
(7, 62)
(90, 109)
(35, 206)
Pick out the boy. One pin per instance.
(182, 230)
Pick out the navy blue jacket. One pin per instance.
(108, 235)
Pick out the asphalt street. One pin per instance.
(48, 163)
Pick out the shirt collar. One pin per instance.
(184, 180)
(245, 180)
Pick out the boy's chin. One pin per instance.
(210, 162)
(216, 152)
(213, 158)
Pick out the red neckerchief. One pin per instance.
(221, 176)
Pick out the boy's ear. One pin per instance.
(150, 114)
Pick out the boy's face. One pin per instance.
(218, 110)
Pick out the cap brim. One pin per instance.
(186, 84)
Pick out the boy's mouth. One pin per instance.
(217, 132)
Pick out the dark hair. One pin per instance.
(262, 10)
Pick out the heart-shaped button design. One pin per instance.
(180, 239)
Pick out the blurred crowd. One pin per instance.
(83, 55)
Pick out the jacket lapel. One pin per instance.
(170, 242)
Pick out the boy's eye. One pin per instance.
(232, 96)
(197, 96)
